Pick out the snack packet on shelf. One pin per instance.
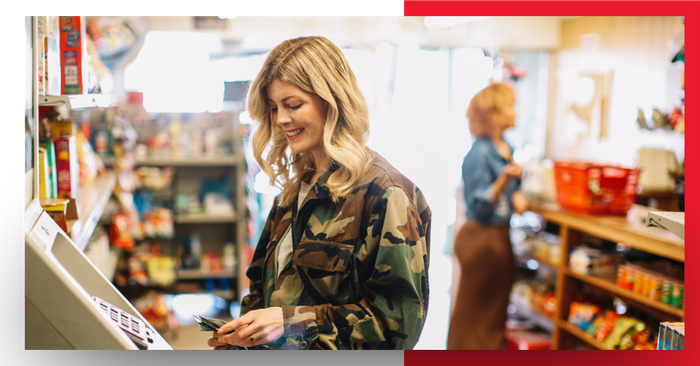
(582, 314)
(621, 335)
(606, 325)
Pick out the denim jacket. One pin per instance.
(480, 169)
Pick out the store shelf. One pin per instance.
(630, 230)
(611, 286)
(526, 310)
(76, 101)
(524, 259)
(620, 229)
(671, 221)
(229, 160)
(200, 275)
(197, 274)
(192, 177)
(581, 335)
(205, 219)
(92, 198)
(214, 161)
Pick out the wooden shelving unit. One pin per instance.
(189, 175)
(620, 229)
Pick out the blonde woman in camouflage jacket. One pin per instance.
(342, 262)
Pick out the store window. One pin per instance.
(174, 74)
(528, 71)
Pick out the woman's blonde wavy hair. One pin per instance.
(317, 66)
(486, 108)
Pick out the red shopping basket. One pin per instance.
(594, 188)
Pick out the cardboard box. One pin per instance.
(56, 208)
(67, 166)
(63, 129)
(73, 49)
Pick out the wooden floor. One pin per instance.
(188, 337)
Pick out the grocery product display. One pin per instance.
(609, 266)
(609, 329)
(67, 249)
(659, 281)
(598, 295)
(201, 183)
(73, 47)
(94, 176)
(156, 244)
(533, 304)
(593, 262)
(179, 215)
(70, 173)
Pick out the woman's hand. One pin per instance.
(252, 329)
(216, 343)
(512, 170)
(508, 172)
(520, 204)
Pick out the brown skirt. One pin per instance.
(485, 256)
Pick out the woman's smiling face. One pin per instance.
(301, 116)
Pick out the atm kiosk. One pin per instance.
(68, 302)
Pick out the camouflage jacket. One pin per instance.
(366, 255)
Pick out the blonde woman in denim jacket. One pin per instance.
(482, 245)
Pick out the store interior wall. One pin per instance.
(636, 53)
(418, 82)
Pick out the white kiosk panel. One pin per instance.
(60, 311)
